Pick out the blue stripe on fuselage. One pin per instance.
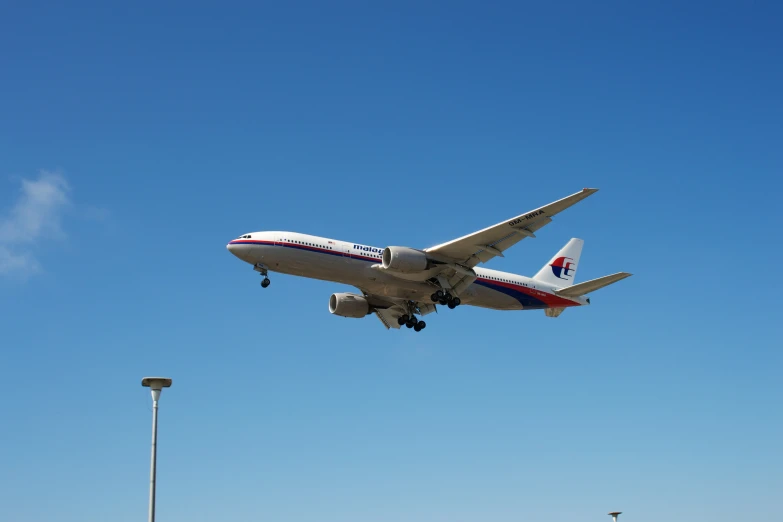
(528, 301)
(306, 248)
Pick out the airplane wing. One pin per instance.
(388, 317)
(481, 246)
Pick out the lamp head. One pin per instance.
(156, 384)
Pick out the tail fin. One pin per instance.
(561, 269)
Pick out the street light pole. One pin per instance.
(155, 384)
(154, 456)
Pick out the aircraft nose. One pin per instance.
(235, 249)
(241, 250)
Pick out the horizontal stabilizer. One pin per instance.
(592, 285)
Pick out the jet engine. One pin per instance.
(404, 259)
(349, 305)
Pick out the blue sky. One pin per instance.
(136, 141)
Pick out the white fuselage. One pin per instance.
(360, 266)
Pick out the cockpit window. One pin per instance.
(246, 236)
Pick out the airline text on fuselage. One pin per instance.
(368, 249)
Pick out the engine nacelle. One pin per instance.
(349, 305)
(404, 259)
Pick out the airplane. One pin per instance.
(399, 283)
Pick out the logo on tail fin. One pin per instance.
(563, 268)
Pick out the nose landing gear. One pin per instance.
(261, 269)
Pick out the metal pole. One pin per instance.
(155, 396)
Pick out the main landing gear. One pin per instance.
(445, 299)
(264, 272)
(411, 322)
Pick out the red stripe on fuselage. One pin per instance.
(548, 299)
(552, 300)
(303, 247)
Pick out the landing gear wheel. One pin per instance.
(401, 320)
(421, 325)
(410, 324)
(448, 297)
(266, 282)
(435, 297)
(443, 302)
(457, 301)
(452, 304)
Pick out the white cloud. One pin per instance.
(20, 263)
(36, 214)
